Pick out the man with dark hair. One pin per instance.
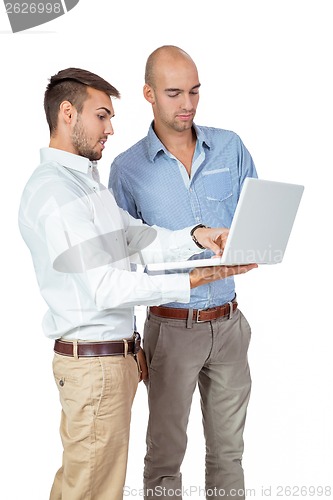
(180, 174)
(72, 83)
(81, 244)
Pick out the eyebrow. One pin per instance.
(175, 90)
(107, 110)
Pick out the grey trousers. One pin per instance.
(181, 354)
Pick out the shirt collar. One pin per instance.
(202, 138)
(66, 159)
(155, 145)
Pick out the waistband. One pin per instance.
(83, 349)
(198, 315)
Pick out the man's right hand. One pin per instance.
(203, 275)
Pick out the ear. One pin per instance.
(148, 93)
(67, 112)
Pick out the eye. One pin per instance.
(101, 117)
(173, 94)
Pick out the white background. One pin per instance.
(265, 68)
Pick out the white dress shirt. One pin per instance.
(82, 245)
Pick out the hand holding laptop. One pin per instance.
(215, 239)
(203, 275)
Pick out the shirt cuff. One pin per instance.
(174, 287)
(186, 242)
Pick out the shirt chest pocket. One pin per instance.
(217, 184)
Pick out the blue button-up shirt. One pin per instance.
(153, 185)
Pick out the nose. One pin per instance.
(187, 101)
(109, 128)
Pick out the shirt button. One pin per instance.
(61, 382)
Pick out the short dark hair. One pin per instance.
(71, 85)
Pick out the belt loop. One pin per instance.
(75, 350)
(189, 319)
(125, 347)
(231, 310)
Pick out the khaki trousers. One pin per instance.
(96, 396)
(180, 355)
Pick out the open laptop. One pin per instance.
(260, 229)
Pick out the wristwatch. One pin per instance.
(194, 238)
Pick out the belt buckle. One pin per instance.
(125, 347)
(197, 320)
(231, 310)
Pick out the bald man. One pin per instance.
(182, 174)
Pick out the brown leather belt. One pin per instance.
(90, 349)
(199, 315)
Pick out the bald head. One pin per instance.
(172, 88)
(164, 56)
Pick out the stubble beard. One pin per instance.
(180, 126)
(81, 145)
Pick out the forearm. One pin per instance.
(155, 244)
(117, 288)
